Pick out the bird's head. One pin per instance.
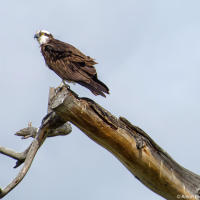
(43, 36)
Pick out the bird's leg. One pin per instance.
(64, 84)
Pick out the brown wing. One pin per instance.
(72, 65)
(63, 57)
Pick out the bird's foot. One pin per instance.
(64, 84)
(61, 86)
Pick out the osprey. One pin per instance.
(69, 63)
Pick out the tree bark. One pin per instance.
(148, 162)
(52, 125)
(133, 147)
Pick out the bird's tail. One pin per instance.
(96, 87)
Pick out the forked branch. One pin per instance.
(132, 146)
(52, 125)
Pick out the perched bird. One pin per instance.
(69, 63)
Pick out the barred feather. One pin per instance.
(72, 65)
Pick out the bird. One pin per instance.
(69, 63)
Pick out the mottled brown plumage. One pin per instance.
(70, 64)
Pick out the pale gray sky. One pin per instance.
(148, 55)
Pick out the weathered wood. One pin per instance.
(31, 131)
(132, 146)
(52, 125)
(30, 154)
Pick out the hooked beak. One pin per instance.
(36, 36)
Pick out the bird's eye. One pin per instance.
(45, 34)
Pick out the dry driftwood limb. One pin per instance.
(52, 125)
(28, 160)
(31, 131)
(25, 133)
(12, 154)
(132, 146)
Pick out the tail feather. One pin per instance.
(103, 87)
(96, 87)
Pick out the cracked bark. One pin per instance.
(131, 145)
(148, 162)
(52, 125)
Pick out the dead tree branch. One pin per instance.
(52, 125)
(149, 163)
(12, 154)
(132, 146)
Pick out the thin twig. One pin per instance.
(12, 154)
(52, 125)
(28, 161)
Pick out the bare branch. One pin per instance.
(28, 161)
(31, 131)
(132, 146)
(25, 133)
(52, 125)
(13, 154)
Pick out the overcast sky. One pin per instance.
(148, 55)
